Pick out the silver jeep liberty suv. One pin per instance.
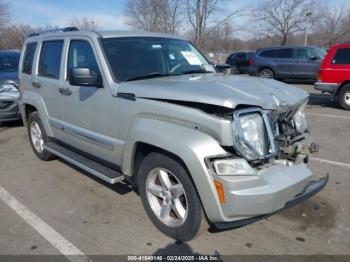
(203, 148)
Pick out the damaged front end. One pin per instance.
(293, 140)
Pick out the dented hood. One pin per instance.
(217, 89)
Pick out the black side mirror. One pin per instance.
(222, 68)
(313, 58)
(83, 77)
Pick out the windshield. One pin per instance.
(133, 58)
(320, 52)
(9, 62)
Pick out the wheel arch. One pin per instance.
(189, 146)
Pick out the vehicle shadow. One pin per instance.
(11, 124)
(121, 188)
(182, 249)
(299, 81)
(323, 100)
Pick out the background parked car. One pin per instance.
(9, 94)
(334, 74)
(301, 62)
(239, 61)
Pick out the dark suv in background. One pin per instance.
(282, 62)
(9, 94)
(240, 61)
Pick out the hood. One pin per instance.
(217, 89)
(9, 77)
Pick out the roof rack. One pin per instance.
(63, 29)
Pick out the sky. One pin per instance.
(108, 14)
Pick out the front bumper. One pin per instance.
(312, 188)
(326, 87)
(9, 109)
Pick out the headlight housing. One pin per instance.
(8, 88)
(253, 137)
(299, 120)
(233, 166)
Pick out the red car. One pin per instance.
(334, 74)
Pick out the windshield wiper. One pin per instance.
(195, 71)
(147, 76)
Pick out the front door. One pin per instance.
(89, 112)
(307, 63)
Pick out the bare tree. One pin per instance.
(13, 36)
(84, 23)
(334, 26)
(155, 15)
(207, 15)
(5, 14)
(283, 18)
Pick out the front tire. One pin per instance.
(344, 97)
(170, 198)
(266, 73)
(38, 137)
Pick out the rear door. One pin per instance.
(284, 62)
(307, 63)
(47, 81)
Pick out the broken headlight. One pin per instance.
(299, 120)
(8, 88)
(253, 137)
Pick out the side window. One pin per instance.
(268, 53)
(285, 53)
(341, 57)
(50, 59)
(81, 55)
(302, 53)
(241, 56)
(28, 58)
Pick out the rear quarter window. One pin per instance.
(341, 57)
(268, 53)
(28, 58)
(50, 59)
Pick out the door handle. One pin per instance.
(65, 91)
(36, 84)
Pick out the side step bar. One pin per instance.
(103, 172)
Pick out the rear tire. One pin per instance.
(170, 198)
(234, 70)
(38, 137)
(344, 97)
(266, 73)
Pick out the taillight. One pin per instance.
(251, 61)
(319, 78)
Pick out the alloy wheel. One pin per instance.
(37, 137)
(166, 197)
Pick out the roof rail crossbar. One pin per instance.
(64, 29)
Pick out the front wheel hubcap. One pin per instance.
(37, 137)
(265, 74)
(347, 98)
(167, 197)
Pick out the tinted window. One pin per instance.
(241, 56)
(341, 57)
(268, 53)
(28, 58)
(50, 59)
(9, 62)
(304, 53)
(250, 55)
(285, 53)
(81, 55)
